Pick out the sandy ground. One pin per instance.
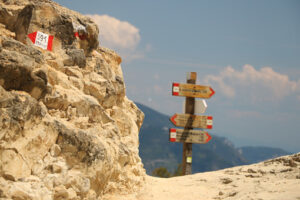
(222, 185)
(277, 179)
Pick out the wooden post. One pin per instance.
(189, 109)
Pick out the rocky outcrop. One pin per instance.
(67, 130)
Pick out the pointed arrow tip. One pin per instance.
(212, 92)
(32, 36)
(172, 119)
(208, 137)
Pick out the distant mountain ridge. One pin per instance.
(156, 151)
(256, 154)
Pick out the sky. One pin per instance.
(248, 51)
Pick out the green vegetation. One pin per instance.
(161, 172)
(164, 173)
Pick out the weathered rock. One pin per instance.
(14, 45)
(67, 130)
(76, 57)
(24, 190)
(18, 72)
(55, 150)
(60, 193)
(13, 165)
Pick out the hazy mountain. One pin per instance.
(257, 154)
(156, 150)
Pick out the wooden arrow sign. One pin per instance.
(191, 90)
(192, 121)
(189, 136)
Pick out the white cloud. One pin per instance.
(118, 35)
(255, 85)
(115, 33)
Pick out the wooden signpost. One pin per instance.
(191, 90)
(188, 136)
(192, 121)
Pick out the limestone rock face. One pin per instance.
(67, 130)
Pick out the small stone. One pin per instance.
(252, 176)
(9, 177)
(32, 179)
(251, 171)
(71, 193)
(231, 194)
(37, 168)
(226, 180)
(286, 170)
(292, 163)
(60, 193)
(56, 168)
(296, 157)
(55, 150)
(221, 193)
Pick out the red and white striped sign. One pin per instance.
(175, 89)
(209, 122)
(173, 135)
(41, 40)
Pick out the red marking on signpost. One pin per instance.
(212, 92)
(175, 89)
(172, 135)
(208, 137)
(173, 119)
(209, 127)
(209, 122)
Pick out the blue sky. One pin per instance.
(248, 51)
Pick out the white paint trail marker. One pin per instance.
(41, 40)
